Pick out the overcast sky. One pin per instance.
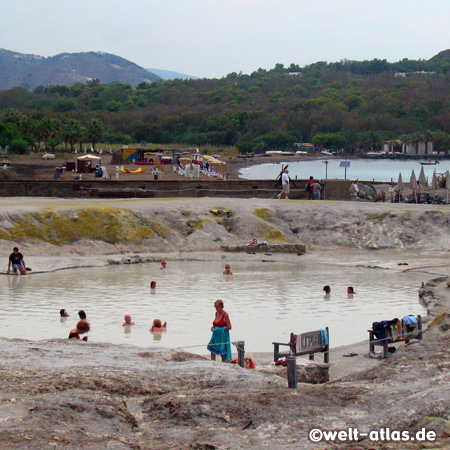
(210, 38)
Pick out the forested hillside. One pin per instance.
(348, 104)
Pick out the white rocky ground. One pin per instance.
(76, 395)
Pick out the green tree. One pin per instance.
(94, 131)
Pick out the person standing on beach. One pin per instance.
(285, 185)
(309, 188)
(17, 261)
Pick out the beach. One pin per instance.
(67, 394)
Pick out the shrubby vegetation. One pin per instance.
(347, 105)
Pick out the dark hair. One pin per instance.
(350, 289)
(83, 326)
(15, 249)
(327, 289)
(157, 323)
(152, 283)
(61, 312)
(82, 314)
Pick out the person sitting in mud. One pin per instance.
(227, 270)
(157, 327)
(17, 262)
(128, 321)
(82, 327)
(63, 313)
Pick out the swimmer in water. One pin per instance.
(227, 270)
(128, 321)
(63, 313)
(164, 265)
(153, 285)
(157, 327)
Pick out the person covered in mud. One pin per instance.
(81, 328)
(220, 339)
(17, 262)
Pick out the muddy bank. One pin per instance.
(76, 395)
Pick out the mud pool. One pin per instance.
(265, 300)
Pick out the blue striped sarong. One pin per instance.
(220, 343)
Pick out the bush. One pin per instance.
(18, 147)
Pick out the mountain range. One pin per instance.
(30, 71)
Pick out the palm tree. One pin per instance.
(94, 131)
(72, 133)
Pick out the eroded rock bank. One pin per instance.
(88, 227)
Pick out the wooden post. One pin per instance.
(276, 351)
(241, 352)
(419, 327)
(326, 355)
(291, 372)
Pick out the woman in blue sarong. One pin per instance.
(220, 339)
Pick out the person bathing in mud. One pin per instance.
(17, 262)
(128, 322)
(82, 327)
(157, 327)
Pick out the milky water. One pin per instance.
(361, 169)
(265, 301)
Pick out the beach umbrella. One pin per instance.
(196, 154)
(185, 153)
(399, 187)
(422, 178)
(447, 182)
(434, 184)
(413, 181)
(177, 153)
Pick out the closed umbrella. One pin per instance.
(399, 187)
(447, 182)
(434, 185)
(422, 178)
(413, 180)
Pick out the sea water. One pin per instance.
(360, 169)
(265, 300)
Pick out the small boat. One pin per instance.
(429, 163)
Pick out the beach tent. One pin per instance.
(434, 184)
(422, 178)
(85, 163)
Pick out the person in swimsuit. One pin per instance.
(157, 327)
(82, 327)
(222, 321)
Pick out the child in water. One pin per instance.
(157, 327)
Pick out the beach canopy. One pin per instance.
(399, 187)
(422, 178)
(413, 181)
(89, 157)
(434, 184)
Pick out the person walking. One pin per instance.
(285, 181)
